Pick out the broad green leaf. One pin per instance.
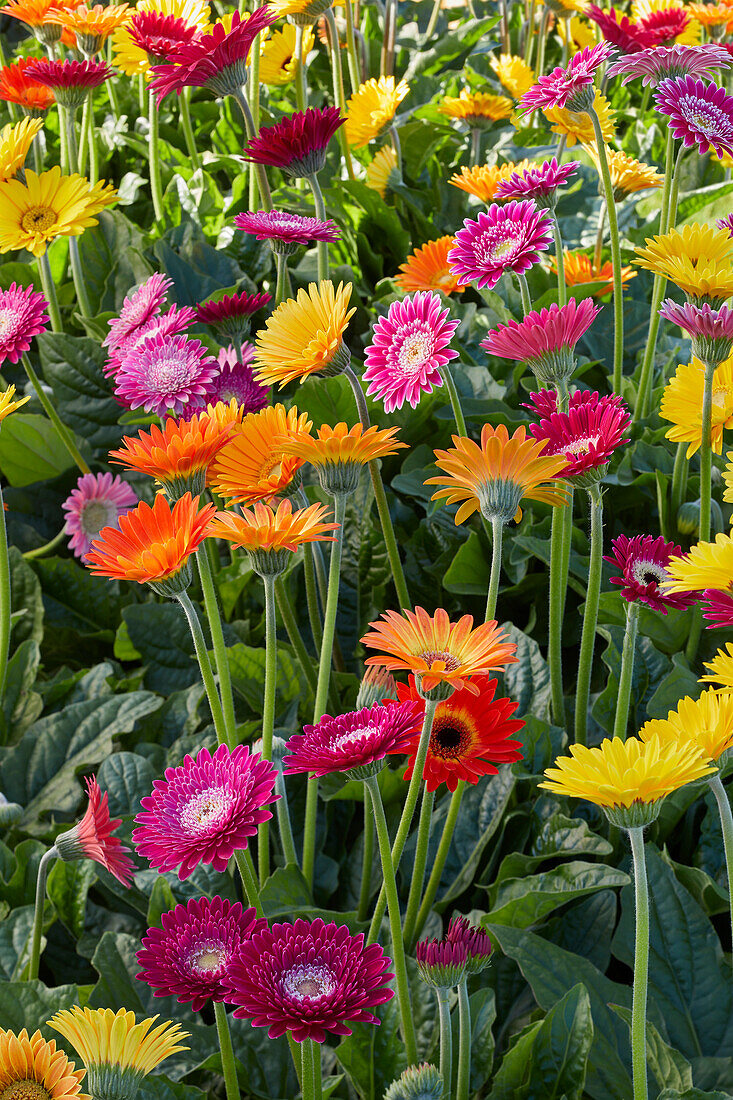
(76, 601)
(126, 777)
(527, 681)
(468, 573)
(483, 1015)
(522, 902)
(560, 836)
(159, 632)
(16, 929)
(372, 1057)
(247, 668)
(586, 928)
(74, 368)
(162, 900)
(20, 704)
(159, 1087)
(26, 597)
(112, 260)
(481, 813)
(68, 886)
(31, 450)
(30, 1004)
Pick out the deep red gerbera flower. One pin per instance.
(232, 313)
(665, 25)
(70, 81)
(587, 434)
(296, 144)
(642, 563)
(160, 35)
(620, 31)
(91, 838)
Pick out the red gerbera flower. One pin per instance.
(665, 25)
(620, 31)
(92, 837)
(719, 609)
(642, 564)
(160, 35)
(587, 434)
(296, 144)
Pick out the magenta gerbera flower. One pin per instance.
(144, 303)
(205, 810)
(236, 380)
(475, 940)
(719, 609)
(661, 62)
(540, 183)
(309, 978)
(98, 501)
(725, 223)
(165, 375)
(70, 81)
(642, 564)
(286, 232)
(572, 87)
(620, 31)
(215, 61)
(173, 323)
(545, 340)
(355, 743)
(587, 435)
(22, 316)
(505, 238)
(188, 958)
(160, 35)
(408, 348)
(698, 114)
(296, 144)
(232, 314)
(442, 963)
(710, 330)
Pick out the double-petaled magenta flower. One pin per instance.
(570, 88)
(663, 62)
(699, 114)
(545, 340)
(642, 563)
(587, 435)
(286, 232)
(356, 743)
(539, 183)
(506, 238)
(710, 330)
(165, 375)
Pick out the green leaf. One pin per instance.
(73, 366)
(26, 599)
(247, 667)
(559, 836)
(481, 813)
(327, 400)
(373, 1057)
(527, 681)
(16, 929)
(692, 1094)
(468, 573)
(542, 743)
(160, 1087)
(126, 777)
(20, 705)
(31, 450)
(483, 1015)
(670, 1068)
(522, 902)
(30, 1004)
(159, 632)
(449, 48)
(76, 601)
(112, 260)
(162, 900)
(68, 886)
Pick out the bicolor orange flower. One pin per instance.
(427, 268)
(31, 1067)
(343, 444)
(304, 335)
(34, 13)
(265, 527)
(91, 25)
(495, 475)
(252, 465)
(682, 404)
(580, 270)
(711, 15)
(483, 180)
(628, 175)
(178, 456)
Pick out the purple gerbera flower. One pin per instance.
(642, 564)
(232, 313)
(442, 963)
(236, 380)
(165, 375)
(188, 958)
(710, 330)
(572, 87)
(661, 62)
(354, 743)
(298, 143)
(698, 114)
(205, 810)
(309, 978)
(409, 346)
(475, 940)
(505, 238)
(286, 232)
(138, 308)
(540, 183)
(98, 501)
(22, 316)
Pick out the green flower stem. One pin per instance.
(433, 21)
(464, 1042)
(227, 1051)
(301, 88)
(253, 101)
(49, 293)
(440, 857)
(320, 213)
(497, 529)
(249, 879)
(598, 250)
(397, 148)
(35, 957)
(80, 287)
(268, 715)
(207, 675)
(311, 594)
(618, 290)
(475, 147)
(354, 66)
(706, 468)
(726, 822)
(558, 584)
(455, 400)
(281, 265)
(283, 822)
(408, 810)
(324, 679)
(562, 290)
(390, 541)
(621, 720)
(418, 868)
(5, 600)
(386, 61)
(590, 615)
(290, 622)
(679, 481)
(367, 859)
(251, 130)
(67, 119)
(529, 37)
(446, 1038)
(641, 966)
(312, 1080)
(184, 106)
(395, 923)
(541, 39)
(338, 86)
(156, 186)
(64, 433)
(221, 659)
(91, 136)
(524, 291)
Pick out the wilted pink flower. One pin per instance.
(642, 563)
(98, 501)
(504, 239)
(286, 232)
(660, 62)
(297, 143)
(235, 379)
(571, 87)
(22, 316)
(587, 435)
(620, 31)
(710, 330)
(698, 114)
(91, 838)
(540, 183)
(545, 339)
(165, 375)
(355, 742)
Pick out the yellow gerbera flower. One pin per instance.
(304, 335)
(370, 110)
(278, 63)
(31, 1067)
(383, 172)
(582, 33)
(47, 206)
(127, 54)
(682, 404)
(578, 126)
(628, 175)
(514, 73)
(706, 722)
(477, 109)
(692, 33)
(721, 669)
(339, 453)
(304, 12)
(562, 8)
(15, 141)
(728, 479)
(706, 565)
(8, 404)
(697, 258)
(483, 180)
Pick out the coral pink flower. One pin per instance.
(91, 838)
(545, 339)
(710, 330)
(660, 62)
(309, 978)
(236, 381)
(540, 183)
(587, 435)
(355, 742)
(160, 35)
(139, 307)
(22, 316)
(188, 958)
(698, 114)
(572, 87)
(296, 144)
(70, 81)
(408, 348)
(232, 314)
(642, 564)
(205, 810)
(98, 501)
(620, 31)
(505, 238)
(286, 232)
(165, 375)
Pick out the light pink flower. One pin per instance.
(98, 501)
(166, 375)
(137, 309)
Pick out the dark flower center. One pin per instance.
(24, 1090)
(449, 741)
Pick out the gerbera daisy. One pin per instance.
(278, 63)
(408, 349)
(303, 12)
(706, 722)
(17, 87)
(713, 17)
(355, 743)
(579, 270)
(371, 109)
(721, 669)
(642, 563)
(546, 339)
(22, 316)
(444, 656)
(31, 1067)
(8, 404)
(159, 36)
(139, 307)
(577, 126)
(236, 381)
(270, 535)
(376, 685)
(308, 978)
(153, 545)
(286, 232)
(661, 62)
(493, 477)
(698, 246)
(483, 180)
(682, 405)
(707, 565)
(539, 183)
(232, 313)
(441, 963)
(620, 31)
(297, 144)
(427, 268)
(205, 810)
(174, 20)
(568, 88)
(514, 73)
(479, 110)
(34, 13)
(188, 958)
(476, 941)
(97, 501)
(46, 206)
(91, 26)
(471, 734)
(698, 114)
(179, 456)
(91, 838)
(504, 239)
(172, 323)
(587, 436)
(253, 466)
(383, 171)
(670, 25)
(339, 454)
(70, 81)
(304, 335)
(710, 330)
(165, 375)
(15, 141)
(628, 175)
(718, 607)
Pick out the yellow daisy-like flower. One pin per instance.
(370, 110)
(728, 479)
(721, 669)
(47, 206)
(427, 268)
(339, 453)
(577, 127)
(497, 474)
(706, 722)
(706, 565)
(710, 15)
(15, 141)
(304, 12)
(127, 54)
(514, 73)
(383, 172)
(278, 63)
(628, 175)
(252, 466)
(225, 413)
(8, 404)
(562, 8)
(692, 33)
(91, 25)
(477, 109)
(697, 258)
(304, 335)
(33, 1069)
(682, 404)
(483, 180)
(583, 34)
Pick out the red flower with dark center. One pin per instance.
(642, 563)
(92, 837)
(620, 31)
(296, 144)
(160, 35)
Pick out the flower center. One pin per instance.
(168, 374)
(9, 322)
(581, 446)
(207, 810)
(432, 656)
(25, 1090)
(309, 982)
(415, 349)
(207, 959)
(38, 219)
(497, 245)
(703, 116)
(95, 515)
(648, 572)
(449, 741)
(345, 740)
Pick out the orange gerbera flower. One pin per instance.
(476, 109)
(178, 456)
(92, 26)
(579, 269)
(17, 87)
(226, 412)
(483, 180)
(711, 15)
(32, 1067)
(339, 453)
(443, 655)
(153, 545)
(428, 269)
(34, 13)
(495, 475)
(267, 528)
(252, 465)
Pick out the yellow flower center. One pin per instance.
(207, 960)
(431, 656)
(25, 1090)
(38, 219)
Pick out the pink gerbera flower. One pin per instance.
(719, 608)
(442, 963)
(505, 238)
(572, 87)
(642, 564)
(408, 348)
(165, 375)
(189, 957)
(286, 232)
(710, 330)
(138, 308)
(232, 314)
(70, 81)
(296, 144)
(309, 978)
(98, 501)
(172, 323)
(205, 810)
(539, 183)
(698, 114)
(725, 223)
(661, 62)
(160, 35)
(91, 838)
(545, 340)
(355, 743)
(475, 940)
(587, 435)
(620, 31)
(22, 316)
(235, 380)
